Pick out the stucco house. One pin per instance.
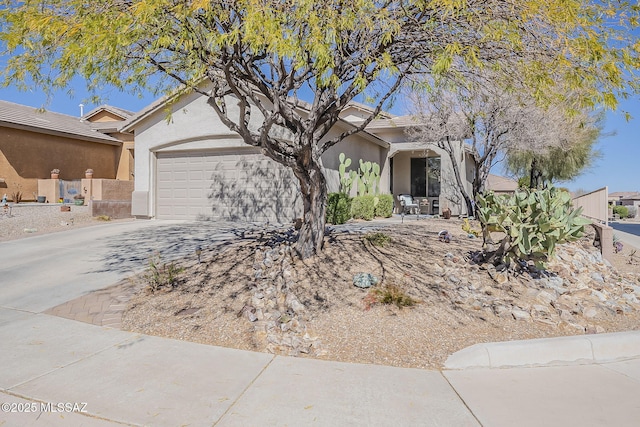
(626, 198)
(501, 185)
(189, 165)
(34, 142)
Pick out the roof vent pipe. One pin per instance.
(81, 109)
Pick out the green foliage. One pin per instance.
(362, 207)
(559, 163)
(377, 239)
(384, 207)
(338, 208)
(530, 223)
(16, 196)
(369, 178)
(523, 182)
(346, 178)
(161, 274)
(268, 53)
(622, 211)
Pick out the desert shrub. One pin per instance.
(466, 226)
(530, 222)
(632, 211)
(393, 295)
(377, 239)
(384, 208)
(622, 211)
(103, 218)
(161, 274)
(362, 207)
(338, 208)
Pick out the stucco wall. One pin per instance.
(355, 147)
(26, 156)
(107, 189)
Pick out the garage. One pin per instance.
(235, 185)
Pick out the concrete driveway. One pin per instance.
(40, 272)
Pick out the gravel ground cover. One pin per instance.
(255, 296)
(29, 219)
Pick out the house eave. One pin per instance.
(59, 133)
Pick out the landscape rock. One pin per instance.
(365, 280)
(576, 292)
(519, 314)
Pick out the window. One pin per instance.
(419, 177)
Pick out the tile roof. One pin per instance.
(29, 118)
(395, 122)
(121, 112)
(624, 194)
(130, 124)
(501, 184)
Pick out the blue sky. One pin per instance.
(619, 167)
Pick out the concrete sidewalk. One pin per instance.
(121, 378)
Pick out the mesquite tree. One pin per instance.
(270, 54)
(484, 116)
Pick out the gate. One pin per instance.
(69, 189)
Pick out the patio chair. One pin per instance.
(408, 204)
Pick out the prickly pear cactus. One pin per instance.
(530, 224)
(369, 179)
(346, 178)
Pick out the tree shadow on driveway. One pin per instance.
(132, 250)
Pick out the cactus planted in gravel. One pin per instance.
(530, 224)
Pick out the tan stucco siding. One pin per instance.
(355, 148)
(26, 156)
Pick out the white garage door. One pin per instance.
(240, 185)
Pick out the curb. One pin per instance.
(585, 349)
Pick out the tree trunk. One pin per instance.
(535, 175)
(313, 187)
(456, 172)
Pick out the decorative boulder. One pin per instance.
(365, 280)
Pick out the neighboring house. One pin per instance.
(192, 166)
(501, 185)
(626, 198)
(32, 143)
